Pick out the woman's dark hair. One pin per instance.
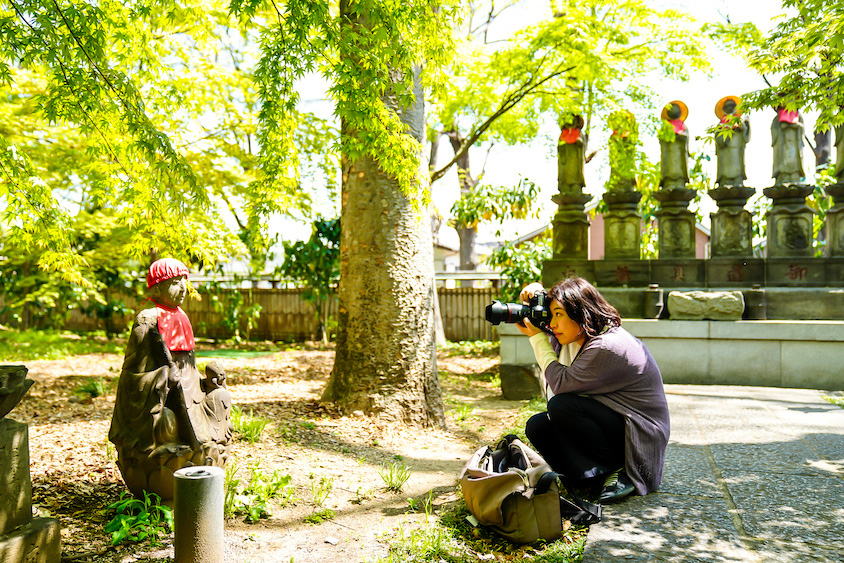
(585, 305)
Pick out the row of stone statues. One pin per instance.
(789, 221)
(731, 137)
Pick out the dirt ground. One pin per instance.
(75, 476)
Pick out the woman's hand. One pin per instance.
(526, 328)
(529, 290)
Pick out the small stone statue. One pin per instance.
(787, 141)
(729, 148)
(13, 386)
(674, 155)
(166, 414)
(570, 157)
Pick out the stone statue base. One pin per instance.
(835, 222)
(154, 472)
(732, 224)
(675, 223)
(790, 221)
(622, 226)
(570, 227)
(23, 539)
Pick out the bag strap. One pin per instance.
(593, 511)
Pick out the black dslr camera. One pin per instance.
(538, 311)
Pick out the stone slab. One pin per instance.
(732, 272)
(796, 272)
(37, 542)
(813, 365)
(15, 483)
(554, 271)
(688, 473)
(622, 273)
(662, 527)
(773, 457)
(679, 273)
(799, 508)
(700, 305)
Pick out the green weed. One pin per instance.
(93, 387)
(464, 413)
(248, 426)
(320, 516)
(839, 401)
(138, 520)
(254, 500)
(320, 489)
(394, 475)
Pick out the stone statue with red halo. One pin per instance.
(166, 414)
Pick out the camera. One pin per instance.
(538, 311)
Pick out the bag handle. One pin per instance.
(593, 511)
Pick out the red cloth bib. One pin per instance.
(568, 136)
(175, 328)
(679, 125)
(786, 116)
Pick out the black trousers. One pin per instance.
(578, 436)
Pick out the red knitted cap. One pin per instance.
(165, 269)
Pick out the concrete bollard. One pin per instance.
(198, 514)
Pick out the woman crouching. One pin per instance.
(607, 414)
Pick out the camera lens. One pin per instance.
(498, 312)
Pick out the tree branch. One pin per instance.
(509, 102)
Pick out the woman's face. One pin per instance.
(172, 292)
(565, 329)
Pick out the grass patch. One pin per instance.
(455, 540)
(394, 475)
(249, 426)
(839, 401)
(93, 387)
(27, 345)
(470, 348)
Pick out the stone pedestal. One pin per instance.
(554, 271)
(790, 221)
(570, 227)
(675, 223)
(835, 222)
(732, 224)
(622, 225)
(22, 538)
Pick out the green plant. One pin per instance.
(248, 426)
(321, 488)
(320, 516)
(93, 387)
(254, 500)
(395, 475)
(463, 413)
(835, 400)
(139, 520)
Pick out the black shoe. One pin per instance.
(616, 487)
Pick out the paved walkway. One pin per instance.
(752, 475)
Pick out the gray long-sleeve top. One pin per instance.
(616, 369)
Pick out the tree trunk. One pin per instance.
(385, 362)
(467, 235)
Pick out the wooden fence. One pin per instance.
(286, 316)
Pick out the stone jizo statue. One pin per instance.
(787, 141)
(729, 149)
(570, 157)
(166, 414)
(674, 155)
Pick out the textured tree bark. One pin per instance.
(385, 361)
